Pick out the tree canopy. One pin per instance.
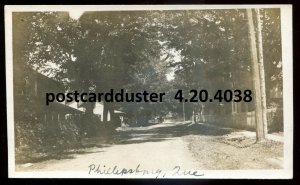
(135, 50)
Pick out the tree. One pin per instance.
(38, 39)
(261, 71)
(101, 51)
(210, 43)
(258, 76)
(116, 47)
(271, 35)
(135, 49)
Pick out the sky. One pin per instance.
(75, 14)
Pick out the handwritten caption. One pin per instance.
(177, 171)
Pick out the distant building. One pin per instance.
(33, 88)
(242, 114)
(31, 91)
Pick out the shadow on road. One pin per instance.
(166, 131)
(57, 155)
(133, 135)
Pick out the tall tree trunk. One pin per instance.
(260, 134)
(261, 71)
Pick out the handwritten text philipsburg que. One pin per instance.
(98, 169)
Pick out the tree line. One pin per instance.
(134, 50)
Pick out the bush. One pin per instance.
(33, 136)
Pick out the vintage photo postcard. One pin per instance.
(150, 91)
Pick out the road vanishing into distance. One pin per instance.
(177, 147)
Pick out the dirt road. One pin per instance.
(165, 146)
(134, 147)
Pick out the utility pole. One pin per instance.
(256, 76)
(261, 71)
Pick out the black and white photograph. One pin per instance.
(164, 91)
